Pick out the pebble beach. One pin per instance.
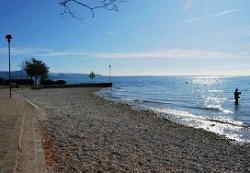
(85, 133)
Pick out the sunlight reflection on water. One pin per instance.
(202, 102)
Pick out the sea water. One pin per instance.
(199, 101)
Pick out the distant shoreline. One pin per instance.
(102, 135)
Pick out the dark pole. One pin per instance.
(9, 68)
(8, 38)
(109, 72)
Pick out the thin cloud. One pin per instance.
(173, 53)
(24, 51)
(64, 53)
(219, 14)
(227, 12)
(167, 54)
(40, 52)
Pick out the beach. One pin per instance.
(85, 133)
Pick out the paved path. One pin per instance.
(20, 139)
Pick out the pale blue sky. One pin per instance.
(146, 37)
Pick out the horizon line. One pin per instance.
(141, 75)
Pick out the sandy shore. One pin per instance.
(85, 133)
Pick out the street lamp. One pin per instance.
(8, 38)
(110, 72)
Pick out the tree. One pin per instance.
(91, 5)
(36, 70)
(92, 75)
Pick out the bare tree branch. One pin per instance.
(90, 5)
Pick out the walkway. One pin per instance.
(20, 141)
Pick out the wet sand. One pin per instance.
(85, 133)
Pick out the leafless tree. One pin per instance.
(91, 5)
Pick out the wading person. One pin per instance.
(236, 96)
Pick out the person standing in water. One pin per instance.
(236, 96)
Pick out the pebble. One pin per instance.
(82, 136)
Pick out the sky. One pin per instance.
(145, 37)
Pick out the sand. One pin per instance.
(85, 133)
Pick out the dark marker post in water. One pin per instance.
(236, 96)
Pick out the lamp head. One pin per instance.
(8, 37)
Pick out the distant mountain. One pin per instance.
(52, 76)
(66, 75)
(14, 74)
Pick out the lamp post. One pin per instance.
(110, 72)
(8, 38)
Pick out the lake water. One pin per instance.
(199, 101)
